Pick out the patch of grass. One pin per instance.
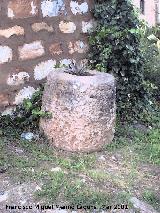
(3, 160)
(118, 143)
(123, 198)
(145, 146)
(117, 181)
(83, 162)
(9, 159)
(40, 152)
(102, 187)
(72, 191)
(21, 166)
(148, 146)
(21, 162)
(99, 176)
(52, 188)
(78, 193)
(43, 152)
(150, 197)
(37, 160)
(64, 163)
(77, 162)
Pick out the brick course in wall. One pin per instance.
(36, 35)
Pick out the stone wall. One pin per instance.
(36, 35)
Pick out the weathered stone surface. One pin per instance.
(17, 79)
(36, 27)
(83, 109)
(43, 69)
(5, 54)
(24, 93)
(32, 50)
(52, 8)
(78, 8)
(55, 49)
(22, 8)
(78, 46)
(67, 27)
(88, 26)
(21, 195)
(16, 30)
(3, 197)
(142, 206)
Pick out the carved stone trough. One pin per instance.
(83, 110)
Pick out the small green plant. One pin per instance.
(145, 143)
(26, 116)
(79, 70)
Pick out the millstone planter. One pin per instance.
(83, 110)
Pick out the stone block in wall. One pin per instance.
(36, 27)
(24, 93)
(18, 79)
(67, 27)
(78, 46)
(43, 69)
(16, 30)
(78, 8)
(22, 8)
(52, 8)
(88, 26)
(5, 54)
(32, 50)
(55, 49)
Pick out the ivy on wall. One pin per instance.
(115, 48)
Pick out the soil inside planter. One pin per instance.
(80, 74)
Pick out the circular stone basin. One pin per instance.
(83, 110)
